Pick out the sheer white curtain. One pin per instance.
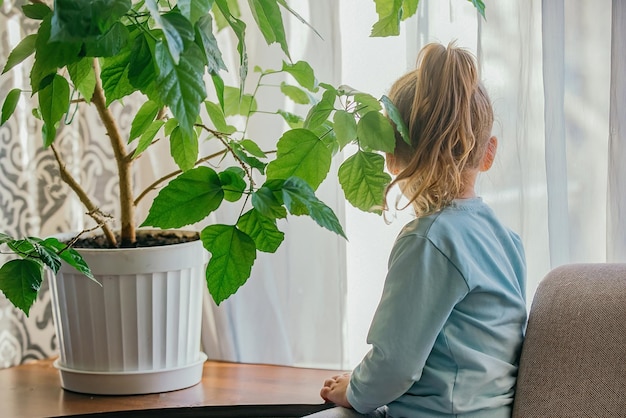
(291, 310)
(555, 71)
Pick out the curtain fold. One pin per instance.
(616, 216)
(553, 47)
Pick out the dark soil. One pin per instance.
(144, 239)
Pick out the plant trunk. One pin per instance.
(124, 163)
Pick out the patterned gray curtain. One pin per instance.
(33, 201)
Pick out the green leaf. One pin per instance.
(296, 94)
(217, 117)
(147, 137)
(233, 183)
(480, 6)
(233, 8)
(179, 23)
(263, 230)
(363, 180)
(220, 20)
(36, 11)
(74, 259)
(210, 46)
(109, 43)
(50, 55)
(48, 133)
(193, 10)
(70, 256)
(319, 113)
(297, 194)
(238, 104)
(9, 105)
(184, 149)
(141, 71)
(344, 125)
(409, 8)
(239, 28)
(114, 76)
(181, 87)
(232, 255)
(302, 154)
(265, 201)
(389, 16)
(247, 159)
(367, 103)
(23, 50)
(20, 281)
(83, 77)
(218, 83)
(45, 253)
(143, 119)
(170, 125)
(252, 148)
(187, 199)
(4, 238)
(174, 38)
(54, 100)
(267, 15)
(74, 21)
(303, 73)
(326, 134)
(33, 248)
(284, 4)
(394, 114)
(23, 247)
(346, 90)
(376, 133)
(293, 121)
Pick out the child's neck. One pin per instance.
(467, 195)
(469, 181)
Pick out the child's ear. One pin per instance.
(490, 154)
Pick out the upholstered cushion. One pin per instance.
(573, 362)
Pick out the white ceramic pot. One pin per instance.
(140, 331)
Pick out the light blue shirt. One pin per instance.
(447, 334)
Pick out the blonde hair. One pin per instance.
(449, 118)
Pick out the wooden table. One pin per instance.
(226, 390)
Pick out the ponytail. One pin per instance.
(449, 118)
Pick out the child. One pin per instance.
(447, 333)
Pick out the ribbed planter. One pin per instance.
(140, 331)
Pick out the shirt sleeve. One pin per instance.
(421, 289)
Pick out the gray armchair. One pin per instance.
(573, 361)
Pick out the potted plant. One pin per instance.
(96, 55)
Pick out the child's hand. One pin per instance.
(334, 390)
